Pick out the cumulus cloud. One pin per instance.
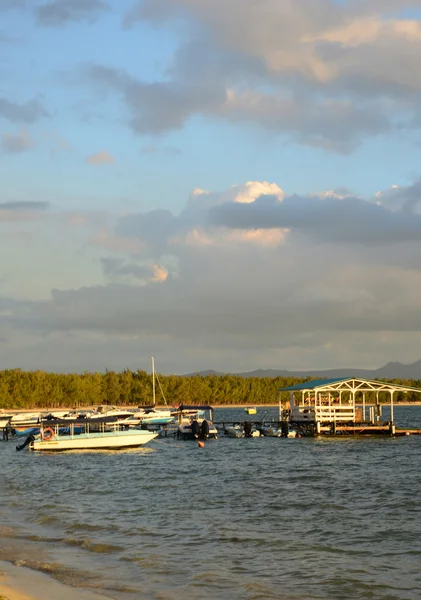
(121, 270)
(100, 158)
(18, 142)
(59, 12)
(323, 73)
(350, 220)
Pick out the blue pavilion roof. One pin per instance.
(311, 385)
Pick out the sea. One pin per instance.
(257, 518)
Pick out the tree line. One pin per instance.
(40, 389)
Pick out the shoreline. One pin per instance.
(23, 583)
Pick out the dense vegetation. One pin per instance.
(30, 389)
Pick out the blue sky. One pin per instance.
(134, 133)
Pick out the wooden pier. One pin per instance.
(331, 429)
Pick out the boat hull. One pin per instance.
(234, 431)
(94, 441)
(185, 432)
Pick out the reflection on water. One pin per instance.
(241, 518)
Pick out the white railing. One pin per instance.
(333, 413)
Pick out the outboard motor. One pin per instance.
(284, 428)
(195, 429)
(28, 440)
(204, 429)
(247, 428)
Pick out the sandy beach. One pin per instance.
(20, 583)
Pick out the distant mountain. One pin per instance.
(393, 370)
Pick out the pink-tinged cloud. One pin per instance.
(222, 236)
(100, 158)
(159, 273)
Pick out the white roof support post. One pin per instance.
(391, 406)
(363, 406)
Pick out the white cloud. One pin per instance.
(323, 73)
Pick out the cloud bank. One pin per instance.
(253, 274)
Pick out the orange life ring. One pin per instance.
(47, 434)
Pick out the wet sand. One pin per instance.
(20, 583)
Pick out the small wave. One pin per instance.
(39, 538)
(63, 574)
(98, 547)
(89, 527)
(143, 561)
(47, 520)
(150, 561)
(7, 532)
(258, 591)
(75, 578)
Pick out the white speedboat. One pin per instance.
(154, 416)
(25, 418)
(235, 431)
(107, 410)
(195, 422)
(86, 434)
(274, 431)
(239, 431)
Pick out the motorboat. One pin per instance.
(235, 431)
(86, 434)
(26, 417)
(275, 431)
(240, 430)
(107, 410)
(150, 415)
(195, 422)
(251, 410)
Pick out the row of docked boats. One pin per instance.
(109, 429)
(247, 429)
(21, 422)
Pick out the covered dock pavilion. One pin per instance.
(341, 401)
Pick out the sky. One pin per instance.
(220, 184)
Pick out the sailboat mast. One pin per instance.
(153, 379)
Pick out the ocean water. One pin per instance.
(256, 518)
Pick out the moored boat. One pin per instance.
(86, 434)
(235, 431)
(241, 430)
(195, 422)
